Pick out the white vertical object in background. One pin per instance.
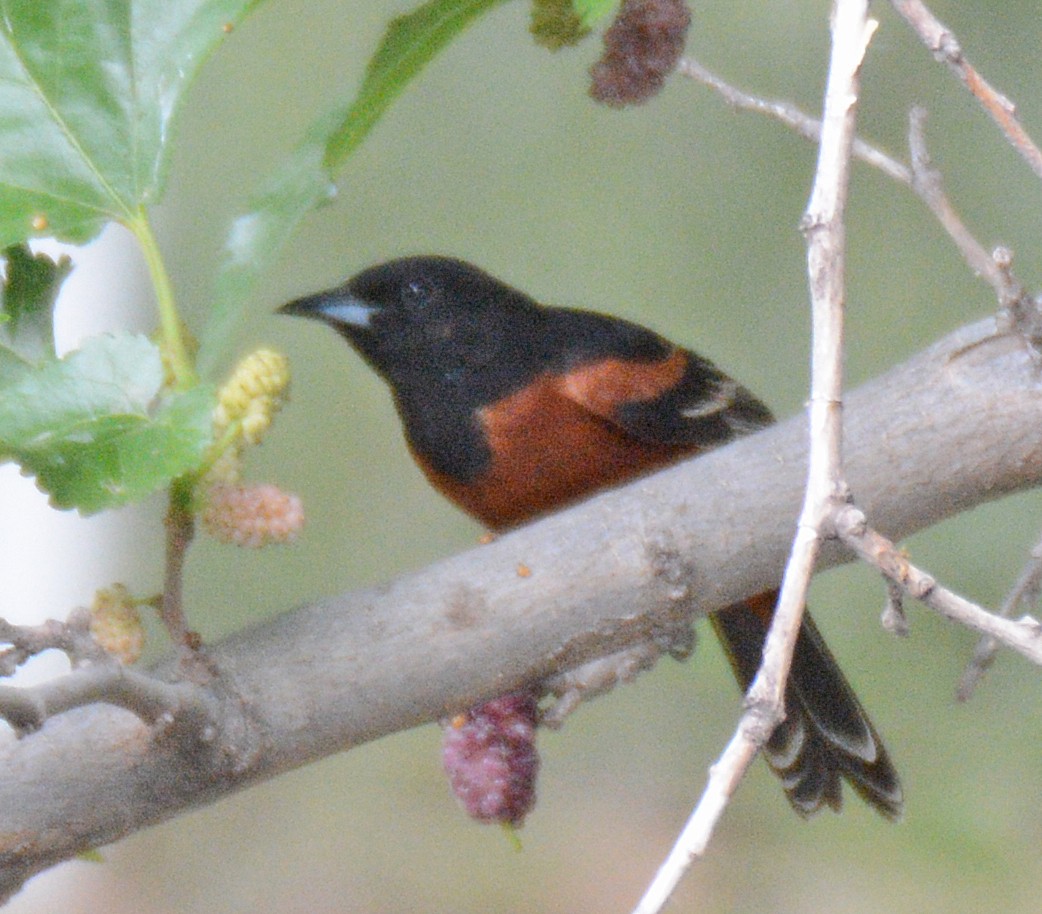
(53, 560)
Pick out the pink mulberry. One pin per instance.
(252, 516)
(491, 759)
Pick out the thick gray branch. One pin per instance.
(955, 426)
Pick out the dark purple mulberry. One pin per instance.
(641, 48)
(490, 757)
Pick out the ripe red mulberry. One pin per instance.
(490, 757)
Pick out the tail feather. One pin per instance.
(826, 737)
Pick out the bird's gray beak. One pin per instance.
(334, 307)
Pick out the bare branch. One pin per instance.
(151, 699)
(72, 638)
(597, 677)
(724, 778)
(1024, 595)
(926, 182)
(945, 47)
(1019, 309)
(893, 618)
(180, 528)
(824, 229)
(1024, 635)
(804, 124)
(96, 677)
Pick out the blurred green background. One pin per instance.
(683, 215)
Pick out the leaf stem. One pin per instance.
(180, 529)
(216, 451)
(173, 342)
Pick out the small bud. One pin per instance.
(227, 468)
(115, 623)
(555, 24)
(893, 617)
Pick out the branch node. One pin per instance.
(1019, 311)
(947, 48)
(763, 717)
(850, 521)
(894, 619)
(24, 711)
(920, 586)
(1003, 257)
(944, 46)
(669, 566)
(810, 223)
(598, 677)
(1033, 626)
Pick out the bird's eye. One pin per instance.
(417, 293)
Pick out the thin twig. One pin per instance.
(72, 637)
(724, 778)
(597, 677)
(852, 31)
(893, 617)
(1024, 635)
(804, 124)
(1022, 597)
(26, 709)
(926, 182)
(180, 529)
(1018, 309)
(96, 676)
(945, 47)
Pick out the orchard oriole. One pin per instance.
(513, 409)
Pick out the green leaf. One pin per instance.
(255, 239)
(88, 93)
(96, 429)
(410, 43)
(556, 24)
(30, 288)
(590, 11)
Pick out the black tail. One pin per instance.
(826, 735)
